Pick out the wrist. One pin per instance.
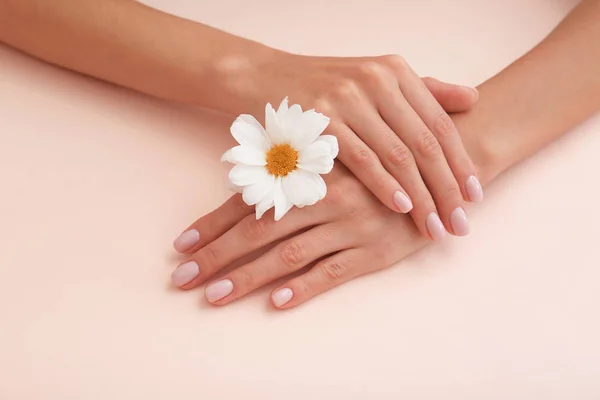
(238, 79)
(479, 139)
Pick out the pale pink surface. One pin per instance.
(96, 182)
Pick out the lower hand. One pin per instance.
(349, 231)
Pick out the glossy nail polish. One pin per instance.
(185, 273)
(282, 296)
(474, 189)
(186, 240)
(218, 290)
(435, 227)
(459, 222)
(402, 202)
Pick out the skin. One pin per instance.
(393, 128)
(351, 232)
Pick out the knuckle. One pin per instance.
(254, 228)
(428, 145)
(304, 287)
(345, 89)
(333, 271)
(323, 105)
(244, 279)
(443, 125)
(362, 158)
(373, 71)
(292, 253)
(208, 258)
(396, 61)
(399, 156)
(452, 191)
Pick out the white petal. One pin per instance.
(310, 126)
(249, 132)
(265, 204)
(234, 188)
(303, 188)
(282, 204)
(292, 122)
(244, 175)
(254, 193)
(282, 110)
(316, 158)
(245, 155)
(333, 143)
(274, 128)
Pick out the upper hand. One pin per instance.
(393, 130)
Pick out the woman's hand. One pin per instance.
(393, 130)
(349, 233)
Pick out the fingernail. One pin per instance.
(474, 189)
(402, 202)
(186, 240)
(282, 296)
(216, 291)
(435, 227)
(185, 273)
(459, 222)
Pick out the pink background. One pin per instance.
(96, 181)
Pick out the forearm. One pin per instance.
(130, 44)
(539, 97)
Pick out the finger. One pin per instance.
(432, 164)
(212, 225)
(452, 98)
(446, 134)
(245, 237)
(367, 167)
(327, 274)
(398, 160)
(285, 258)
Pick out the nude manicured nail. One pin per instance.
(186, 240)
(474, 189)
(282, 296)
(459, 222)
(435, 227)
(402, 202)
(185, 273)
(216, 291)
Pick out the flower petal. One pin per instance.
(283, 109)
(244, 175)
(245, 155)
(247, 131)
(234, 188)
(254, 193)
(265, 204)
(317, 157)
(292, 122)
(310, 126)
(282, 204)
(333, 143)
(274, 128)
(303, 188)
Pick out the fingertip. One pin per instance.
(186, 241)
(402, 202)
(281, 297)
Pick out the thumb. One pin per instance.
(452, 98)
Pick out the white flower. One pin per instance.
(280, 166)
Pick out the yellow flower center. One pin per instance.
(281, 159)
